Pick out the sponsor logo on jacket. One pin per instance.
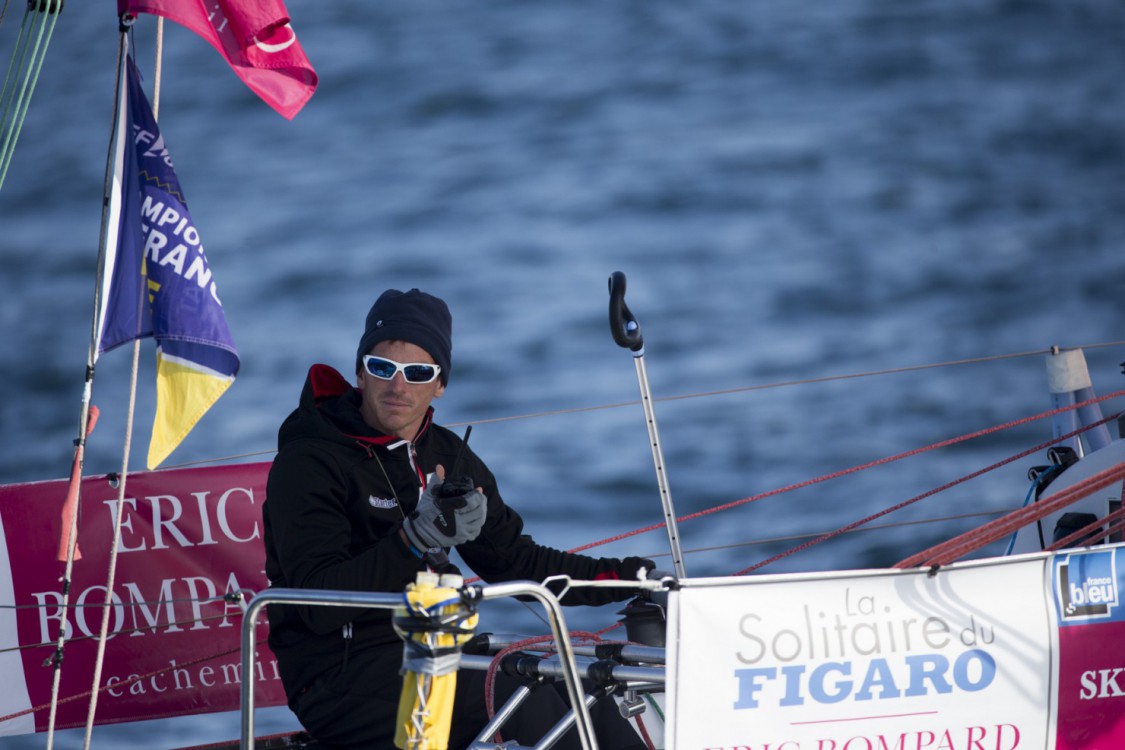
(382, 502)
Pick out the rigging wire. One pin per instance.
(87, 412)
(885, 460)
(967, 477)
(689, 551)
(132, 679)
(123, 52)
(815, 534)
(708, 394)
(44, 14)
(807, 381)
(854, 526)
(1091, 533)
(948, 551)
(850, 527)
(126, 631)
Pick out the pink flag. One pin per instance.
(256, 39)
(70, 504)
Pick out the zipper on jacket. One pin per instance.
(347, 631)
(412, 454)
(412, 459)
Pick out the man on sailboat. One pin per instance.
(351, 505)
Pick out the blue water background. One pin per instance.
(794, 189)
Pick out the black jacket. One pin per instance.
(331, 521)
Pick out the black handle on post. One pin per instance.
(625, 328)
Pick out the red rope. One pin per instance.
(1115, 527)
(959, 546)
(923, 496)
(871, 464)
(644, 732)
(614, 626)
(490, 675)
(1116, 521)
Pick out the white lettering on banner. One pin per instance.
(94, 595)
(162, 512)
(178, 602)
(1093, 591)
(1101, 683)
(157, 149)
(177, 678)
(152, 618)
(157, 222)
(995, 737)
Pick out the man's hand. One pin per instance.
(445, 521)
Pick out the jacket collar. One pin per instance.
(327, 386)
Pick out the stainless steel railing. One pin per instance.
(327, 598)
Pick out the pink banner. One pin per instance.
(1091, 687)
(1091, 614)
(189, 538)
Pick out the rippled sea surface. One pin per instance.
(794, 190)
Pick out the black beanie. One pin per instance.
(415, 317)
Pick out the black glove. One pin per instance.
(631, 567)
(448, 521)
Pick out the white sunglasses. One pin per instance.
(412, 372)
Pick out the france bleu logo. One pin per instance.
(1086, 585)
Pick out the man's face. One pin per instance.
(396, 407)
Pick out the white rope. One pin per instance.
(159, 68)
(71, 548)
(111, 573)
(84, 417)
(119, 515)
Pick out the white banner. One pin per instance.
(13, 698)
(880, 660)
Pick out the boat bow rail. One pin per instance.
(563, 665)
